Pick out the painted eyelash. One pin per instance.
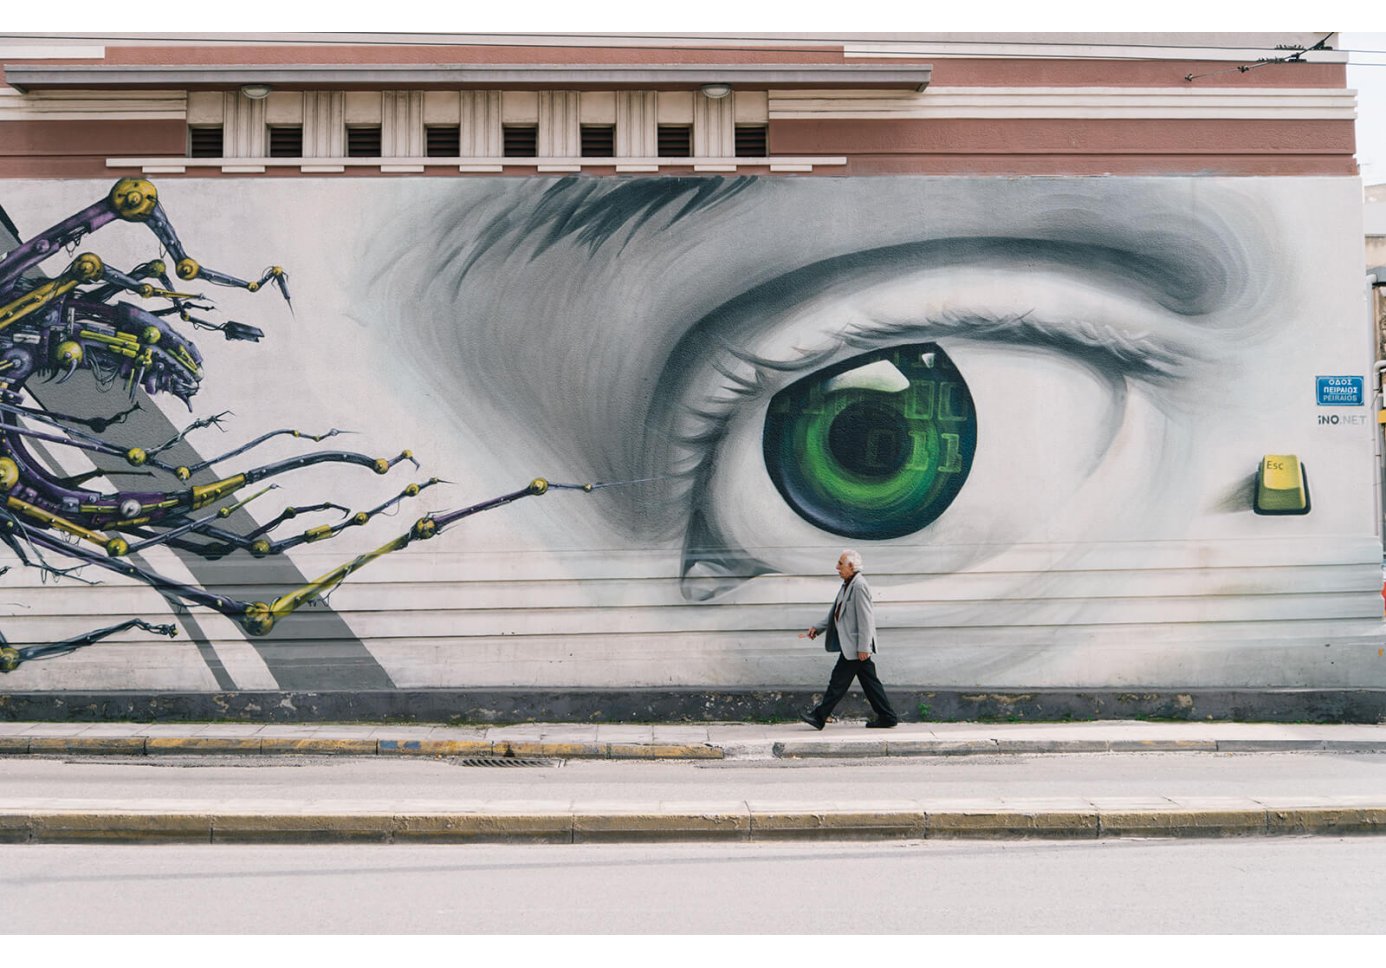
(712, 417)
(763, 366)
(1140, 356)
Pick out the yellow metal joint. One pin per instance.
(55, 521)
(205, 494)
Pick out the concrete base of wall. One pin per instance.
(695, 705)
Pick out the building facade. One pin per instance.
(559, 363)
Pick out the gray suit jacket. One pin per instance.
(856, 629)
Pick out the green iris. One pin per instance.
(874, 447)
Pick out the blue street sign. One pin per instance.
(1340, 391)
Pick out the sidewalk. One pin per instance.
(386, 820)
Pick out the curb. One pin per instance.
(985, 747)
(636, 750)
(718, 822)
(507, 749)
(287, 746)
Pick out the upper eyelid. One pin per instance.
(1191, 280)
(1139, 355)
(1188, 282)
(1142, 355)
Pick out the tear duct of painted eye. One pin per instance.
(874, 447)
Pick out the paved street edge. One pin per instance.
(731, 822)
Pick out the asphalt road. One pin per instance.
(1279, 886)
(960, 778)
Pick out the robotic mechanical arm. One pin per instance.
(53, 327)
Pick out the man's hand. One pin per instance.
(811, 633)
(863, 656)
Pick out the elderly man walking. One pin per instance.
(851, 630)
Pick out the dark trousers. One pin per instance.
(864, 671)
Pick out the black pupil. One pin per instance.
(870, 438)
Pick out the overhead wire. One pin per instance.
(1294, 58)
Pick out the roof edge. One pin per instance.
(29, 77)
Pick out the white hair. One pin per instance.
(852, 558)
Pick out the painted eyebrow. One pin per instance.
(592, 213)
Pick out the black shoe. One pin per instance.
(812, 720)
(883, 724)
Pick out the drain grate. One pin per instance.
(504, 761)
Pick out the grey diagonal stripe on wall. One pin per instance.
(313, 650)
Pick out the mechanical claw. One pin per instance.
(233, 330)
(99, 424)
(281, 279)
(11, 658)
(199, 424)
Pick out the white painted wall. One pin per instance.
(1164, 335)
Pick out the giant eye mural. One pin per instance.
(875, 447)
